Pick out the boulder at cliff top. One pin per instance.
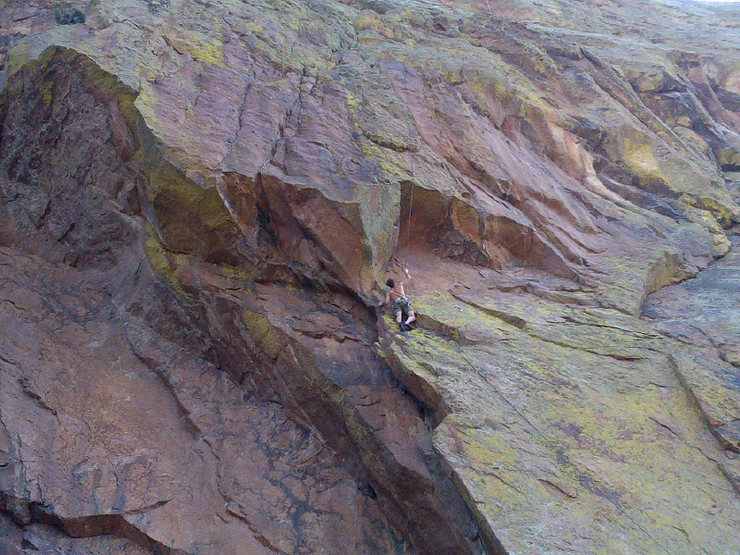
(199, 199)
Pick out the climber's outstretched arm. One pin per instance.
(408, 276)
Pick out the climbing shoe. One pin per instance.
(404, 327)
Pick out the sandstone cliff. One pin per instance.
(200, 198)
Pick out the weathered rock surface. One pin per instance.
(199, 199)
(703, 315)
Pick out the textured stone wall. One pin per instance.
(200, 200)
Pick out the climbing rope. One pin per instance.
(411, 195)
(411, 207)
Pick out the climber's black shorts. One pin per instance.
(401, 305)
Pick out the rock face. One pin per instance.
(199, 200)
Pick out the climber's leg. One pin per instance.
(411, 318)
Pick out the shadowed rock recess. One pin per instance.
(199, 200)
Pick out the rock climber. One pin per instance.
(401, 305)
